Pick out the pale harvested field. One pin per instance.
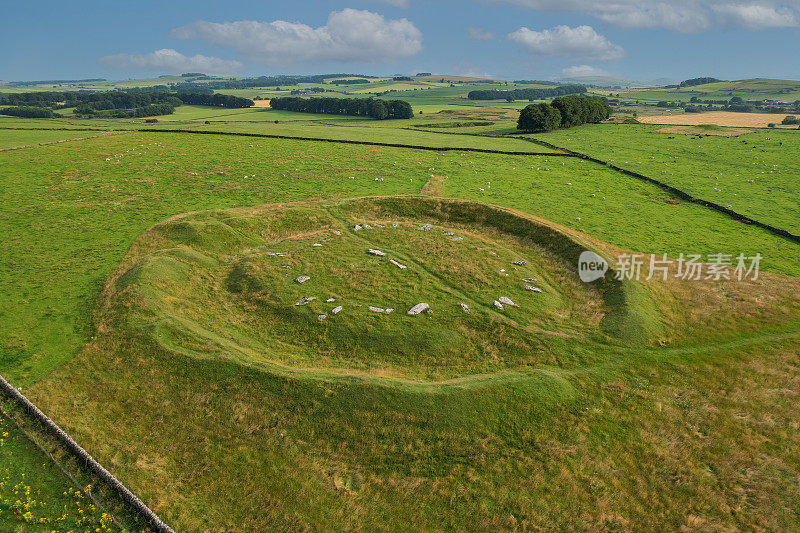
(720, 118)
(261, 103)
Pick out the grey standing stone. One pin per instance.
(419, 308)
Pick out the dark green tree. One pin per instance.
(538, 118)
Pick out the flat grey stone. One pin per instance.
(389, 310)
(301, 279)
(306, 299)
(456, 239)
(465, 307)
(425, 227)
(398, 265)
(372, 251)
(498, 305)
(329, 300)
(376, 309)
(507, 301)
(321, 317)
(519, 263)
(419, 308)
(357, 227)
(532, 288)
(336, 310)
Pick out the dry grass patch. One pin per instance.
(720, 118)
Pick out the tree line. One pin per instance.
(216, 100)
(526, 94)
(698, 81)
(112, 104)
(362, 107)
(562, 112)
(29, 112)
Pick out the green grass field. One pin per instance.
(756, 176)
(14, 138)
(141, 309)
(390, 133)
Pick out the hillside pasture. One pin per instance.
(755, 174)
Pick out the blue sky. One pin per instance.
(511, 39)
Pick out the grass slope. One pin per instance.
(70, 222)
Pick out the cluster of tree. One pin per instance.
(363, 107)
(421, 74)
(698, 81)
(563, 112)
(526, 94)
(402, 78)
(119, 104)
(790, 120)
(29, 112)
(152, 110)
(349, 82)
(95, 100)
(216, 100)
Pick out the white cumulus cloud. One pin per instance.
(581, 42)
(349, 35)
(757, 17)
(171, 61)
(686, 16)
(580, 71)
